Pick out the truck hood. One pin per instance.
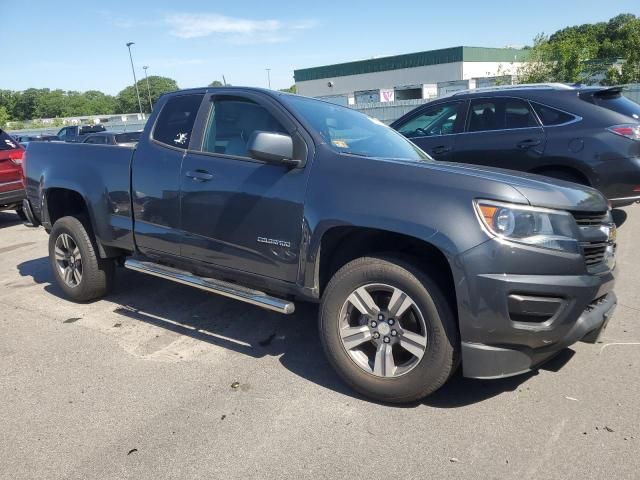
(539, 191)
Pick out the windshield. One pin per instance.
(130, 137)
(351, 132)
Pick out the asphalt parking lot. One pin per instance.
(163, 381)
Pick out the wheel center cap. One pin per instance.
(384, 328)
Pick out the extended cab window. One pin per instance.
(231, 123)
(436, 120)
(6, 142)
(175, 122)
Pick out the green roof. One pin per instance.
(412, 60)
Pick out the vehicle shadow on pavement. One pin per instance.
(9, 219)
(255, 332)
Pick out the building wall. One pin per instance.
(489, 69)
(387, 79)
(431, 74)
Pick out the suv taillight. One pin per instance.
(630, 130)
(16, 156)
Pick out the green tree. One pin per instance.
(127, 101)
(216, 83)
(586, 53)
(4, 116)
(291, 89)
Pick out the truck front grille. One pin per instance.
(590, 219)
(594, 253)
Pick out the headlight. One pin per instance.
(539, 227)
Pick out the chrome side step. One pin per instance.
(226, 289)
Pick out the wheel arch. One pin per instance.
(559, 164)
(65, 201)
(341, 244)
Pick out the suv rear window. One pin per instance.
(550, 116)
(176, 120)
(618, 103)
(6, 142)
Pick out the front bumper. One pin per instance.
(486, 361)
(510, 323)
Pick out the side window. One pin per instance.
(550, 116)
(231, 123)
(62, 134)
(500, 114)
(483, 115)
(518, 114)
(91, 140)
(437, 120)
(175, 122)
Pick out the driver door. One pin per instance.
(433, 128)
(237, 212)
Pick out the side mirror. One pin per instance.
(272, 147)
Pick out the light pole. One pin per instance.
(148, 89)
(268, 77)
(135, 82)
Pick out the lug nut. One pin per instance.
(393, 333)
(380, 317)
(374, 324)
(376, 335)
(391, 321)
(387, 339)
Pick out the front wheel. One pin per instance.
(78, 269)
(388, 330)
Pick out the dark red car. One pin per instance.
(11, 188)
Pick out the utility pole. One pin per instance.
(148, 89)
(268, 77)
(135, 82)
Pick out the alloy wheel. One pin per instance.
(383, 330)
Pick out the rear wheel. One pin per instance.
(78, 269)
(388, 330)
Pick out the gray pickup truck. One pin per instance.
(271, 199)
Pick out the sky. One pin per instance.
(81, 45)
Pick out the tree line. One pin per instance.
(607, 53)
(20, 106)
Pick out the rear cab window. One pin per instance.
(175, 122)
(7, 142)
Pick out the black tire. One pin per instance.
(441, 356)
(97, 273)
(21, 214)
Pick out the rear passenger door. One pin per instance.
(433, 128)
(155, 176)
(501, 132)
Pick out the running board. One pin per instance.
(226, 289)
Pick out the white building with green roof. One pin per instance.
(409, 76)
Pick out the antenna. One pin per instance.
(224, 81)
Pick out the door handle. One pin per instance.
(528, 143)
(199, 175)
(440, 149)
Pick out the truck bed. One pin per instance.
(100, 173)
